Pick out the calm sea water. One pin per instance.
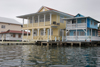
(37, 56)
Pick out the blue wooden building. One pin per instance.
(81, 28)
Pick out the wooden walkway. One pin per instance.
(12, 42)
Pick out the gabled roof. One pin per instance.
(43, 12)
(79, 15)
(9, 20)
(52, 9)
(14, 31)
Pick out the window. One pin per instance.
(74, 33)
(35, 33)
(82, 33)
(91, 22)
(73, 21)
(83, 20)
(95, 23)
(61, 20)
(47, 17)
(36, 19)
(13, 35)
(42, 32)
(42, 18)
(19, 36)
(78, 33)
(2, 26)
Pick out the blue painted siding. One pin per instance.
(88, 22)
(91, 25)
(79, 15)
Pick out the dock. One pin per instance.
(72, 43)
(14, 42)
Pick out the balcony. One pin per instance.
(81, 38)
(78, 26)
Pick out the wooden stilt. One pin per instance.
(51, 44)
(47, 44)
(41, 44)
(80, 44)
(65, 44)
(57, 44)
(71, 44)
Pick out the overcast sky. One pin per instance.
(13, 8)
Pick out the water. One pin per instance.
(37, 56)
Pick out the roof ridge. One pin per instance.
(56, 10)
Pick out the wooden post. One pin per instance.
(51, 44)
(57, 44)
(65, 44)
(47, 44)
(41, 44)
(80, 44)
(71, 44)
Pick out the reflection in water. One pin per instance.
(37, 56)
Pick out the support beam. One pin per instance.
(44, 19)
(76, 29)
(32, 20)
(32, 33)
(86, 28)
(27, 21)
(38, 19)
(27, 33)
(50, 33)
(91, 34)
(22, 34)
(38, 31)
(44, 31)
(50, 18)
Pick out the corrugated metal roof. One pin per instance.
(9, 20)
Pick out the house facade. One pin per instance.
(9, 24)
(81, 28)
(52, 25)
(12, 35)
(45, 25)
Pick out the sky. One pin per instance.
(13, 8)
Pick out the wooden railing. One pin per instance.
(81, 38)
(78, 25)
(46, 37)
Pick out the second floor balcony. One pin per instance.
(77, 25)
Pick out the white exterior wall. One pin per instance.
(9, 37)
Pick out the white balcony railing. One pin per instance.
(78, 25)
(81, 38)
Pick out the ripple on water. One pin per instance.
(37, 56)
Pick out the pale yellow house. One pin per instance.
(45, 25)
